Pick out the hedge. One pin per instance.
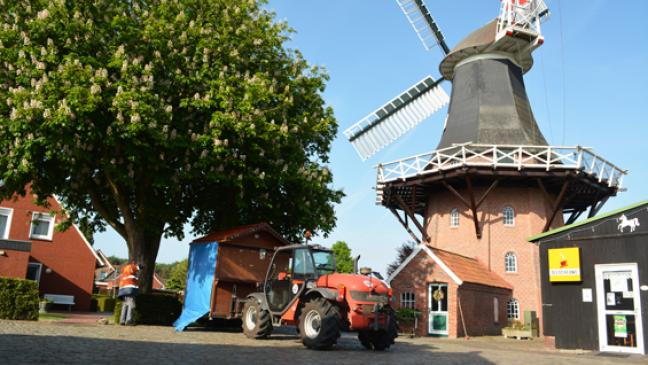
(18, 299)
(153, 309)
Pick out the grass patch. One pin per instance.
(51, 316)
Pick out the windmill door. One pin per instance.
(619, 308)
(438, 309)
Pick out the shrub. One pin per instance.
(406, 314)
(159, 308)
(18, 299)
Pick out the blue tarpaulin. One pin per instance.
(200, 277)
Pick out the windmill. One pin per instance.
(490, 134)
(517, 26)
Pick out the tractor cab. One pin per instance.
(294, 269)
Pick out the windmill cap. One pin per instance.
(484, 41)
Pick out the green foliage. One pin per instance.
(148, 115)
(178, 276)
(343, 259)
(153, 309)
(406, 314)
(18, 299)
(105, 303)
(517, 325)
(114, 260)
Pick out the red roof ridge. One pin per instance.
(222, 236)
(485, 276)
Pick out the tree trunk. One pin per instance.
(143, 250)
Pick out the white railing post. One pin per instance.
(580, 157)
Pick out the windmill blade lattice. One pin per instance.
(426, 28)
(383, 126)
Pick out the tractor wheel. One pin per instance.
(381, 339)
(257, 322)
(365, 340)
(319, 324)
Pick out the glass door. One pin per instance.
(619, 308)
(438, 309)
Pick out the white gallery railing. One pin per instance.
(503, 156)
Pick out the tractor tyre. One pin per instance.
(381, 339)
(319, 324)
(257, 322)
(363, 337)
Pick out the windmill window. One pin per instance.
(42, 226)
(513, 310)
(454, 217)
(5, 222)
(509, 216)
(408, 300)
(510, 262)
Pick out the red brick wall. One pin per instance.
(476, 300)
(71, 261)
(477, 306)
(531, 214)
(415, 277)
(14, 264)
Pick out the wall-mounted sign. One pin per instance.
(587, 295)
(564, 264)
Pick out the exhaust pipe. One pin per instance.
(355, 264)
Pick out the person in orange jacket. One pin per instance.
(128, 290)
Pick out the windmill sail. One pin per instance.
(383, 126)
(424, 25)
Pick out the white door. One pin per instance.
(619, 308)
(438, 309)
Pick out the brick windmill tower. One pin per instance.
(492, 182)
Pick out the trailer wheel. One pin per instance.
(381, 339)
(319, 324)
(257, 322)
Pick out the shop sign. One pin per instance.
(620, 327)
(564, 264)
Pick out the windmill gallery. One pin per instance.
(492, 181)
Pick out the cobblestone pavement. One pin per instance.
(64, 343)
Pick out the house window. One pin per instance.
(509, 216)
(42, 227)
(5, 222)
(34, 271)
(510, 262)
(454, 217)
(513, 310)
(407, 300)
(495, 310)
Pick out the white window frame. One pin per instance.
(9, 213)
(454, 218)
(513, 310)
(40, 271)
(40, 216)
(508, 221)
(496, 309)
(510, 260)
(408, 300)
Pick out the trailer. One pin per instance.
(224, 268)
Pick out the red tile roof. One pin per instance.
(470, 270)
(240, 231)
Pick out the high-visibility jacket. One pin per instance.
(128, 278)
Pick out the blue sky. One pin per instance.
(587, 87)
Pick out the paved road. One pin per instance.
(65, 343)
